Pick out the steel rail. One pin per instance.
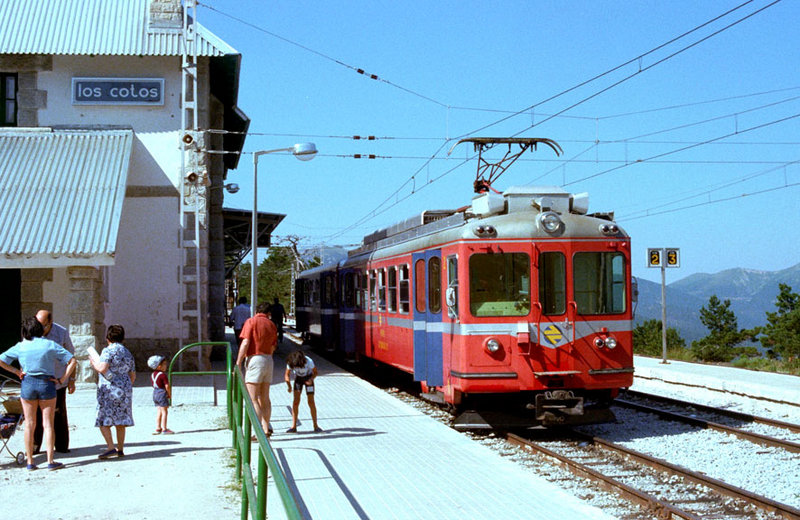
(764, 440)
(724, 488)
(660, 508)
(710, 409)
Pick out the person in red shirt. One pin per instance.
(259, 340)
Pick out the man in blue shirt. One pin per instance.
(55, 332)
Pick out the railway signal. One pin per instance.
(663, 258)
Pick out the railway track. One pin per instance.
(732, 414)
(764, 440)
(660, 489)
(667, 490)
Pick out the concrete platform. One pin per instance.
(777, 388)
(380, 458)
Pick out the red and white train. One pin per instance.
(522, 298)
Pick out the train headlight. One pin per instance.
(599, 343)
(609, 229)
(611, 342)
(492, 346)
(550, 222)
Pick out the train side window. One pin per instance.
(553, 282)
(499, 284)
(391, 304)
(435, 284)
(451, 296)
(315, 293)
(404, 296)
(329, 291)
(419, 285)
(382, 290)
(599, 279)
(348, 292)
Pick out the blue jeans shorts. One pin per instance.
(35, 388)
(160, 397)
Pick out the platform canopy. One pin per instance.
(61, 195)
(237, 227)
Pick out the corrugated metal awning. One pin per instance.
(94, 27)
(61, 194)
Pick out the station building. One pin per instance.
(118, 126)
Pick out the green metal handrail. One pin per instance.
(254, 492)
(227, 373)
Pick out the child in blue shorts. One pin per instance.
(161, 392)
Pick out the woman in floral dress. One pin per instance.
(114, 389)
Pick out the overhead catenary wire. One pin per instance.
(704, 191)
(603, 90)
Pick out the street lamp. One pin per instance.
(304, 152)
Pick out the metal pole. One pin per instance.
(254, 240)
(663, 313)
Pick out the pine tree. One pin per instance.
(782, 332)
(647, 338)
(723, 330)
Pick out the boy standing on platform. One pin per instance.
(161, 393)
(304, 371)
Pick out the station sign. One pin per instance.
(118, 91)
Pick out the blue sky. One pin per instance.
(693, 145)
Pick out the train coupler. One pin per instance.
(557, 407)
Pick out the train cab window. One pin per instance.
(404, 296)
(499, 284)
(553, 283)
(363, 292)
(391, 303)
(373, 290)
(435, 284)
(599, 282)
(419, 285)
(315, 293)
(382, 290)
(451, 294)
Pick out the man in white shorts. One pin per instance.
(259, 340)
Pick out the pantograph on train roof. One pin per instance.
(496, 168)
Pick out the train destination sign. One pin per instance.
(118, 91)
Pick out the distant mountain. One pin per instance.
(752, 294)
(327, 254)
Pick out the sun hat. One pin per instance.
(154, 361)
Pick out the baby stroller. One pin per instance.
(11, 419)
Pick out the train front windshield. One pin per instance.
(599, 282)
(500, 284)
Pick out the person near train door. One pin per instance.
(239, 315)
(278, 315)
(259, 340)
(55, 332)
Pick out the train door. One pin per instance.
(428, 363)
(347, 316)
(555, 313)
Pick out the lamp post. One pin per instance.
(304, 152)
